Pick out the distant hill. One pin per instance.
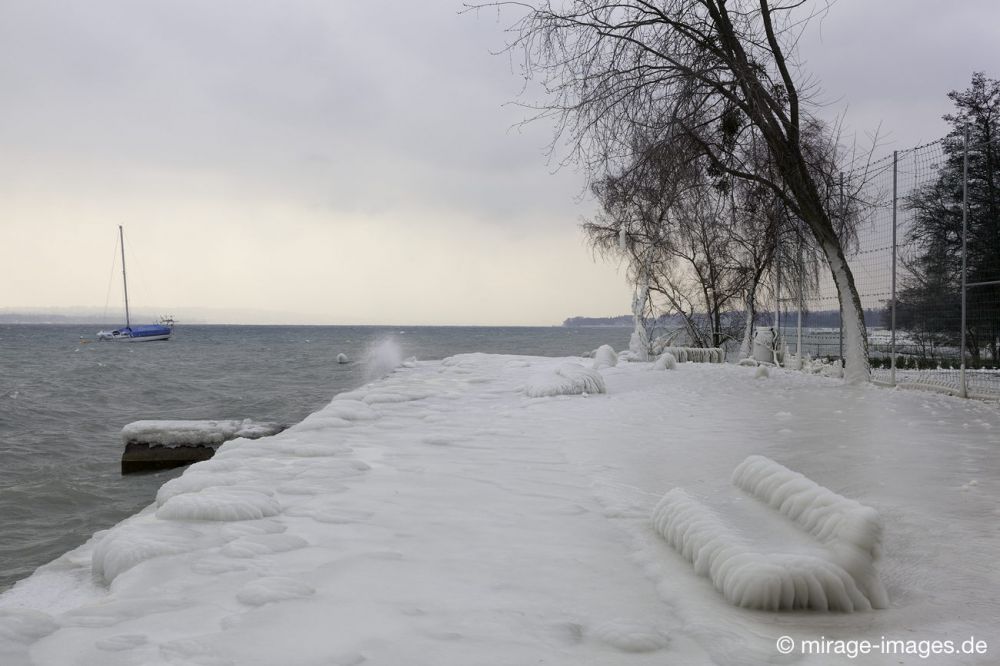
(818, 319)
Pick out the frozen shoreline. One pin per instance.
(442, 516)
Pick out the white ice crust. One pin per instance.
(173, 433)
(441, 515)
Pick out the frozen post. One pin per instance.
(892, 344)
(802, 271)
(962, 389)
(840, 325)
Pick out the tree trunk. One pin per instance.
(748, 327)
(852, 316)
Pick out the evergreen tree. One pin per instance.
(930, 302)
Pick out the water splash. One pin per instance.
(381, 358)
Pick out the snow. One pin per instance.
(212, 433)
(472, 523)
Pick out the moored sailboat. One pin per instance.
(128, 332)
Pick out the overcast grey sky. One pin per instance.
(350, 162)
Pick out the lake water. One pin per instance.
(63, 404)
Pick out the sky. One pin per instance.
(352, 162)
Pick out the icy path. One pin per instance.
(442, 517)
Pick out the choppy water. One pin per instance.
(63, 404)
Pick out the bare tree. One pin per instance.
(710, 77)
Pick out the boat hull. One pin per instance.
(136, 334)
(129, 338)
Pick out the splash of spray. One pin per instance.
(382, 357)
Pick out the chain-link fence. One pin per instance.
(925, 256)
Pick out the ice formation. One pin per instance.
(851, 530)
(220, 503)
(666, 361)
(341, 358)
(567, 379)
(762, 372)
(125, 547)
(836, 573)
(605, 357)
(195, 433)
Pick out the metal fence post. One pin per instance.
(840, 324)
(892, 344)
(962, 388)
(802, 271)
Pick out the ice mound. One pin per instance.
(349, 410)
(122, 642)
(130, 544)
(195, 433)
(748, 362)
(567, 379)
(762, 372)
(219, 503)
(666, 361)
(199, 478)
(630, 636)
(263, 544)
(836, 573)
(268, 590)
(605, 357)
(23, 626)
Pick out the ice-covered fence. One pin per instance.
(832, 568)
(694, 354)
(908, 253)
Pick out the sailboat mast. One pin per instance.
(121, 238)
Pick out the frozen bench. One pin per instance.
(801, 546)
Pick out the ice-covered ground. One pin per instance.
(442, 516)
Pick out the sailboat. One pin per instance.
(128, 332)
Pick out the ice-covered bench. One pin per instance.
(800, 546)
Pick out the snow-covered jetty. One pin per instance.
(496, 510)
(153, 445)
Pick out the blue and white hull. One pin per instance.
(136, 333)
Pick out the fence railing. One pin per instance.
(926, 262)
